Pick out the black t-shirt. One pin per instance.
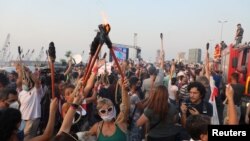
(203, 107)
(238, 93)
(240, 30)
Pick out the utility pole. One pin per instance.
(135, 44)
(222, 23)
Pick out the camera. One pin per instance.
(189, 105)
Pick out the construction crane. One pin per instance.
(8, 57)
(29, 56)
(25, 56)
(5, 48)
(40, 55)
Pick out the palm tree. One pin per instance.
(68, 54)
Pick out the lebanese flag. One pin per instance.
(214, 93)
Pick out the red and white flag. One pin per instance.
(214, 93)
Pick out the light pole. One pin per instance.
(135, 40)
(222, 22)
(135, 44)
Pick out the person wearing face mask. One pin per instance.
(8, 98)
(111, 127)
(30, 98)
(15, 103)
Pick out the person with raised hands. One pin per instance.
(232, 117)
(110, 128)
(30, 98)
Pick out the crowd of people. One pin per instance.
(165, 101)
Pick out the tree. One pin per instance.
(68, 54)
(63, 61)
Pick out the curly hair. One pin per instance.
(197, 125)
(9, 119)
(201, 88)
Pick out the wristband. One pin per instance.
(74, 106)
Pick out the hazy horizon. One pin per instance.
(70, 24)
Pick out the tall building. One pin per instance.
(194, 55)
(181, 56)
(158, 54)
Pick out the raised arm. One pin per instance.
(91, 80)
(231, 110)
(124, 107)
(93, 97)
(172, 70)
(67, 121)
(20, 76)
(69, 67)
(36, 78)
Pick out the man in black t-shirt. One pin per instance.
(195, 104)
(239, 35)
(238, 93)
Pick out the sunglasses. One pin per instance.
(104, 111)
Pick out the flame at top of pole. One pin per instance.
(104, 18)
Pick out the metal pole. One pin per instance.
(222, 22)
(135, 44)
(221, 31)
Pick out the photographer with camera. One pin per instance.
(195, 104)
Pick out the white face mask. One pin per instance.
(14, 105)
(109, 116)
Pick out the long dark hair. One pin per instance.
(9, 119)
(158, 102)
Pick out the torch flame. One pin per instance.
(104, 18)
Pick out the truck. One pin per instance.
(237, 59)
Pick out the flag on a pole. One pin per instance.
(214, 94)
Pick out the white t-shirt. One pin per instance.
(31, 103)
(172, 90)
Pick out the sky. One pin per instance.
(71, 24)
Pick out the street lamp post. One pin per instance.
(135, 44)
(222, 22)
